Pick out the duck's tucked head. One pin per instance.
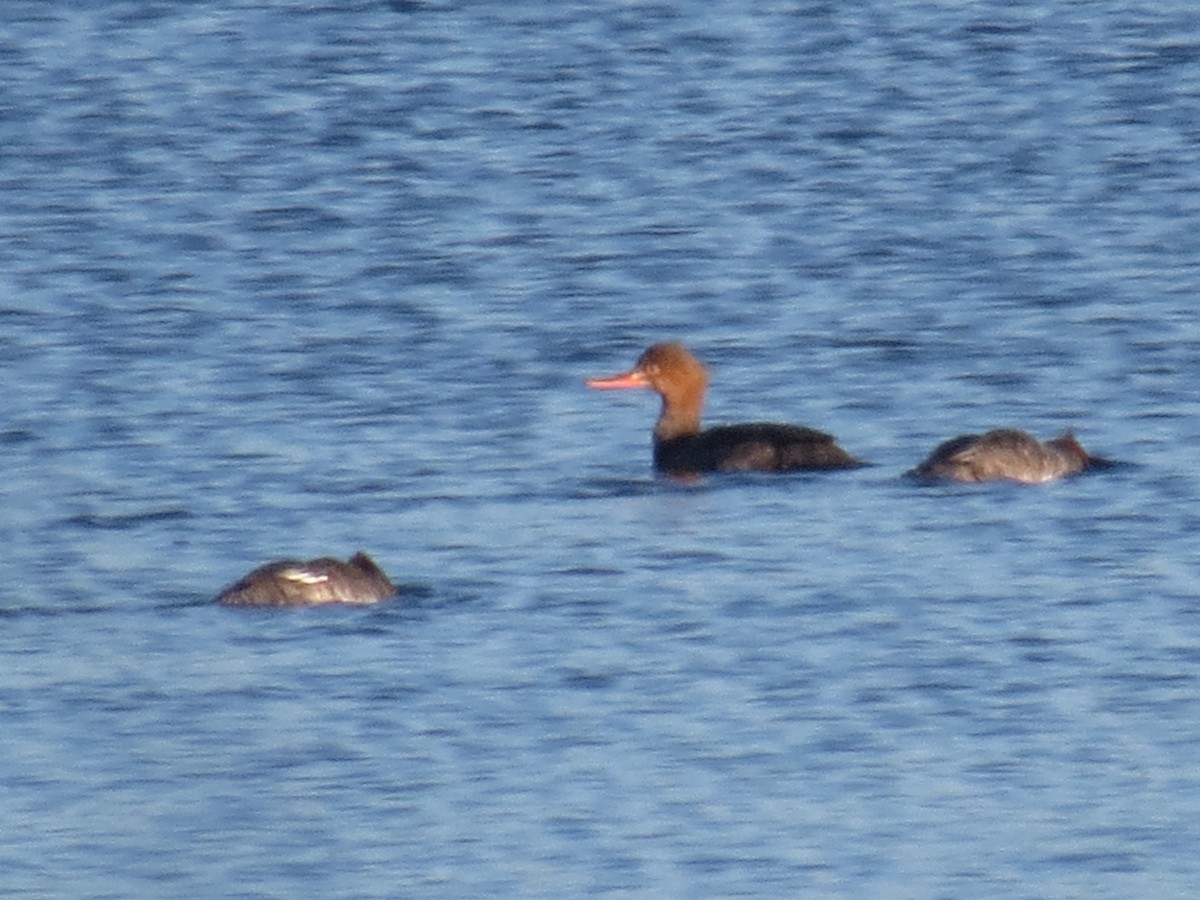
(1070, 447)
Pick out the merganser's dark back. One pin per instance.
(753, 447)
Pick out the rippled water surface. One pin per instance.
(284, 279)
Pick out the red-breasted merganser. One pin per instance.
(681, 447)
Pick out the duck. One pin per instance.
(1006, 454)
(315, 582)
(682, 447)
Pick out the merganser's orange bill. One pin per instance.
(631, 379)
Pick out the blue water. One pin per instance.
(284, 279)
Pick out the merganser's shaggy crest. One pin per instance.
(290, 582)
(1006, 453)
(682, 448)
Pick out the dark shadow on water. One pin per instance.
(72, 609)
(591, 488)
(127, 520)
(1100, 464)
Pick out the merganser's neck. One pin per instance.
(680, 415)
